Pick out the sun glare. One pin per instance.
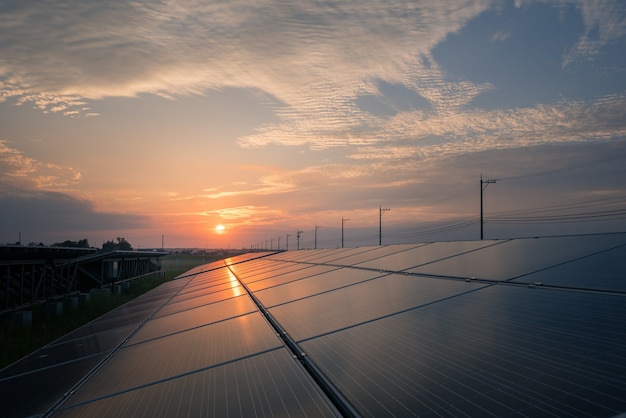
(219, 229)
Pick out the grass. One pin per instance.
(17, 342)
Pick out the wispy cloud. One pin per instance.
(18, 169)
(323, 56)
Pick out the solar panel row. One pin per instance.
(524, 327)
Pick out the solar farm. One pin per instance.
(512, 328)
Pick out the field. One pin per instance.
(180, 263)
(16, 342)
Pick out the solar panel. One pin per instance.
(513, 258)
(268, 384)
(525, 327)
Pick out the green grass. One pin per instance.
(17, 342)
(180, 263)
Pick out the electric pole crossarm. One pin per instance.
(483, 186)
(380, 223)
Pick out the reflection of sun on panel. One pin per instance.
(234, 284)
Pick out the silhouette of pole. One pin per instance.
(298, 238)
(316, 228)
(380, 224)
(278, 244)
(483, 186)
(343, 221)
(288, 235)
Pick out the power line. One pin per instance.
(566, 168)
(575, 217)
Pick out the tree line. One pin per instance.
(119, 243)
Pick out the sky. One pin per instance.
(157, 121)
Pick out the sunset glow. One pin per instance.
(243, 129)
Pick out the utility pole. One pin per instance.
(278, 244)
(298, 237)
(288, 235)
(272, 244)
(380, 224)
(343, 221)
(316, 228)
(483, 186)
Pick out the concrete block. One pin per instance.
(22, 319)
(52, 308)
(99, 292)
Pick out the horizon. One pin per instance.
(223, 126)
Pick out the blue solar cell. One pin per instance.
(602, 271)
(67, 350)
(312, 285)
(515, 258)
(408, 256)
(31, 394)
(351, 305)
(148, 362)
(201, 300)
(253, 273)
(500, 350)
(270, 384)
(255, 283)
(192, 318)
(367, 253)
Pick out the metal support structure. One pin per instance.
(380, 224)
(288, 235)
(483, 186)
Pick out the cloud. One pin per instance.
(500, 36)
(61, 53)
(315, 60)
(18, 169)
(53, 214)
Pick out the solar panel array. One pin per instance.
(522, 327)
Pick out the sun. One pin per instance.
(220, 228)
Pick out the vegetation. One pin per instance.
(119, 244)
(17, 342)
(180, 263)
(83, 243)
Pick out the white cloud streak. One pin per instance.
(313, 59)
(19, 170)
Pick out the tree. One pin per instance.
(83, 243)
(119, 244)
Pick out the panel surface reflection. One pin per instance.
(604, 271)
(363, 302)
(498, 351)
(180, 353)
(411, 256)
(313, 285)
(266, 385)
(519, 257)
(193, 318)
